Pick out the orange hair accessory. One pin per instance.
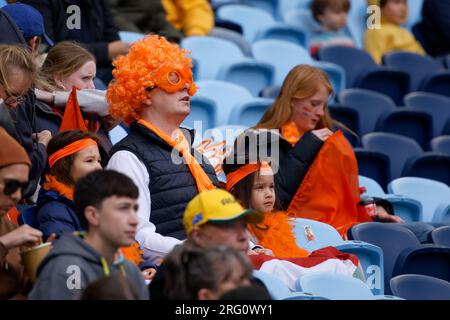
(147, 65)
(72, 148)
(236, 176)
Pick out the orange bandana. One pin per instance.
(236, 176)
(51, 183)
(72, 148)
(181, 145)
(290, 132)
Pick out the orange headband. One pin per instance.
(72, 148)
(236, 176)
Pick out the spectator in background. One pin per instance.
(17, 74)
(332, 17)
(14, 168)
(391, 36)
(106, 205)
(143, 16)
(435, 27)
(110, 288)
(192, 17)
(88, 22)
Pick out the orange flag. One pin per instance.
(329, 192)
(73, 119)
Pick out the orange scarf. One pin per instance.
(275, 233)
(133, 253)
(290, 132)
(329, 192)
(72, 118)
(51, 183)
(181, 145)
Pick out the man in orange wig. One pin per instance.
(151, 91)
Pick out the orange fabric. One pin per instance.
(133, 253)
(13, 215)
(290, 132)
(72, 148)
(236, 176)
(276, 233)
(72, 118)
(51, 183)
(329, 192)
(181, 145)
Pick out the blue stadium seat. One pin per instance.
(250, 19)
(338, 287)
(225, 95)
(356, 22)
(117, 134)
(249, 113)
(441, 145)
(211, 54)
(393, 239)
(348, 117)
(420, 287)
(302, 18)
(437, 106)
(414, 124)
(428, 260)
(438, 84)
(284, 32)
(203, 111)
(362, 72)
(434, 195)
(447, 61)
(369, 104)
(277, 288)
(233, 36)
(271, 92)
(441, 236)
(285, 55)
(430, 165)
(414, 13)
(398, 148)
(446, 131)
(270, 6)
(250, 74)
(130, 37)
(374, 165)
(370, 256)
(410, 210)
(421, 70)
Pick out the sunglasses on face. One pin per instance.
(11, 186)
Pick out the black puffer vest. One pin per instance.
(171, 184)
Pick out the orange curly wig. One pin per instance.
(141, 68)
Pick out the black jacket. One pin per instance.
(435, 26)
(97, 24)
(171, 185)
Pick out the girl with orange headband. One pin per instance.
(71, 155)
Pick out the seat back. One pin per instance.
(429, 192)
(420, 287)
(398, 148)
(284, 32)
(441, 236)
(372, 187)
(335, 287)
(277, 288)
(348, 117)
(233, 36)
(203, 114)
(436, 105)
(369, 105)
(434, 166)
(210, 54)
(302, 18)
(391, 238)
(312, 235)
(374, 165)
(249, 113)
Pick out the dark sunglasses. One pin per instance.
(11, 186)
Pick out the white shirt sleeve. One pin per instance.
(90, 100)
(154, 245)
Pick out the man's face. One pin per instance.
(171, 105)
(11, 177)
(233, 234)
(118, 221)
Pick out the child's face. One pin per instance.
(263, 192)
(395, 11)
(333, 20)
(85, 161)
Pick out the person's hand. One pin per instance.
(117, 48)
(43, 137)
(44, 95)
(323, 134)
(149, 273)
(24, 235)
(383, 216)
(51, 237)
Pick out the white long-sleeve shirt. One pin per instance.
(154, 245)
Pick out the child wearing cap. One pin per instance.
(391, 36)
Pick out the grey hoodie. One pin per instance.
(72, 265)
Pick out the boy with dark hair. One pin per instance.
(332, 17)
(106, 205)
